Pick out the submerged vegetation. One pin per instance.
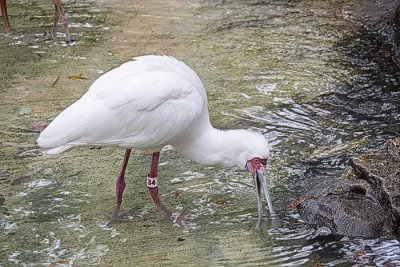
(319, 78)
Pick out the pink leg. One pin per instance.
(120, 184)
(3, 7)
(56, 17)
(154, 192)
(59, 14)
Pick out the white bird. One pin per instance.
(148, 103)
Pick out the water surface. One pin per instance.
(317, 77)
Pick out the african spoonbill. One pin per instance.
(148, 103)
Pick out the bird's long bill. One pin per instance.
(260, 181)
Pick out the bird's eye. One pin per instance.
(257, 161)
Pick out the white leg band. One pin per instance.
(152, 182)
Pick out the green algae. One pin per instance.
(262, 67)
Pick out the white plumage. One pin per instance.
(147, 103)
(130, 107)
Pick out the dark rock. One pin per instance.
(363, 201)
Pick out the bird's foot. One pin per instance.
(70, 42)
(181, 220)
(174, 217)
(120, 217)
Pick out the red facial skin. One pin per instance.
(255, 164)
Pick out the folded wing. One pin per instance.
(139, 104)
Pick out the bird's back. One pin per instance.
(144, 103)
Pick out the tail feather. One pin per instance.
(62, 131)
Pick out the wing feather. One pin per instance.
(136, 105)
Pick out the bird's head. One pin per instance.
(256, 162)
(233, 148)
(256, 166)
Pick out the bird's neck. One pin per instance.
(210, 146)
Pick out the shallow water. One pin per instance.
(318, 77)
